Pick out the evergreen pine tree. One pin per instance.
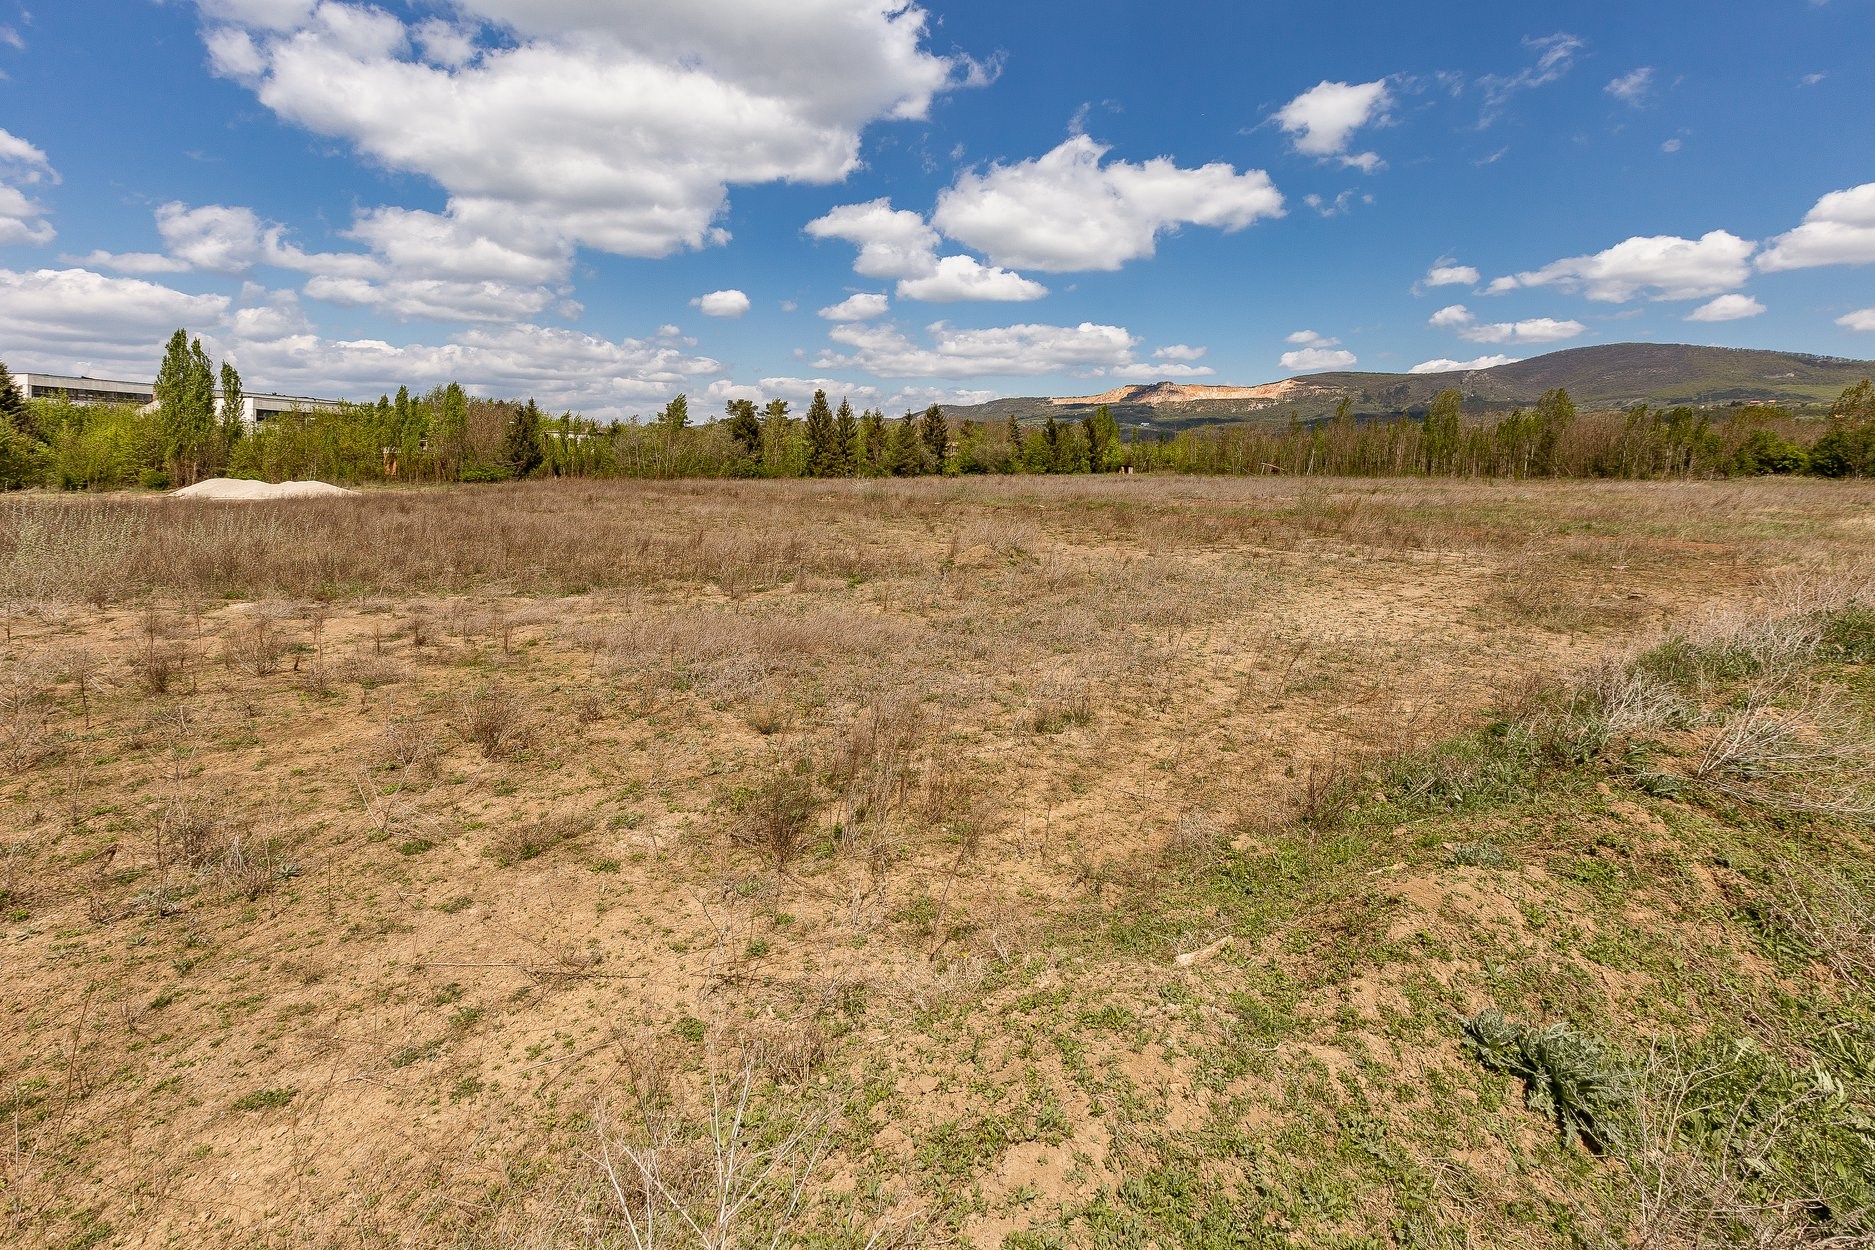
(521, 445)
(820, 437)
(1104, 438)
(13, 409)
(906, 458)
(744, 426)
(845, 440)
(937, 438)
(876, 442)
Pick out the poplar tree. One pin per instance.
(775, 436)
(1441, 436)
(1555, 413)
(185, 398)
(232, 400)
(450, 420)
(672, 420)
(845, 440)
(820, 437)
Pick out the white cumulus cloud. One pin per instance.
(892, 242)
(956, 278)
(885, 351)
(1860, 319)
(1659, 266)
(1159, 371)
(863, 306)
(22, 218)
(1065, 211)
(730, 303)
(1839, 230)
(1309, 338)
(614, 127)
(1444, 365)
(1447, 272)
(1180, 351)
(61, 319)
(1532, 330)
(1726, 308)
(421, 266)
(1322, 120)
(1317, 358)
(75, 319)
(898, 243)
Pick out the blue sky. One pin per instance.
(604, 202)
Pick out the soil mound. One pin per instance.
(245, 491)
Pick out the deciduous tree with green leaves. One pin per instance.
(185, 398)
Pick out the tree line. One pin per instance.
(446, 435)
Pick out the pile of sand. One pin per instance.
(238, 489)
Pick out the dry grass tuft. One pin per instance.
(253, 647)
(777, 816)
(493, 717)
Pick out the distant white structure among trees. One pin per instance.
(252, 407)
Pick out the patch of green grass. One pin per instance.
(265, 1099)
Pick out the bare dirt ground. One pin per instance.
(339, 915)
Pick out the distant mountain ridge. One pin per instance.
(1613, 375)
(1159, 393)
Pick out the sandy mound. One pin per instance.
(236, 488)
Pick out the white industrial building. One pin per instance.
(255, 406)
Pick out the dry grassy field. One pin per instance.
(1027, 862)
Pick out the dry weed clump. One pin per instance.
(530, 839)
(1196, 841)
(1544, 597)
(185, 834)
(253, 647)
(777, 816)
(372, 670)
(726, 1166)
(741, 654)
(26, 714)
(1000, 535)
(786, 1050)
(494, 718)
(1816, 755)
(1059, 707)
(407, 743)
(874, 769)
